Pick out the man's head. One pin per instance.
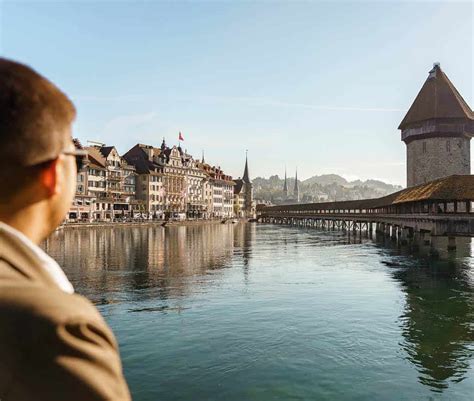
(37, 175)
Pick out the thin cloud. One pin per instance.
(249, 101)
(254, 101)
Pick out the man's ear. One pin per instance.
(49, 178)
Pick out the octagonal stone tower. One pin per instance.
(437, 131)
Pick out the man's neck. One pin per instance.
(27, 221)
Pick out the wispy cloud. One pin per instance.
(132, 97)
(262, 102)
(245, 100)
(129, 122)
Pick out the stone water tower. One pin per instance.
(437, 131)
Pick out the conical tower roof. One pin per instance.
(438, 98)
(285, 185)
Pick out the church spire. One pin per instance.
(285, 186)
(202, 160)
(296, 191)
(245, 177)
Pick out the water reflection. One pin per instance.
(150, 268)
(437, 322)
(146, 262)
(244, 235)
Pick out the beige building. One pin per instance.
(112, 181)
(174, 180)
(222, 194)
(196, 182)
(149, 183)
(218, 192)
(82, 208)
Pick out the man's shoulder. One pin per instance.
(61, 335)
(22, 299)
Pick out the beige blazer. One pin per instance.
(53, 345)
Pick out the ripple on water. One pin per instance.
(257, 312)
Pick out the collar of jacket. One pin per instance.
(18, 255)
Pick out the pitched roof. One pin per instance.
(138, 158)
(454, 187)
(238, 186)
(105, 150)
(77, 143)
(438, 98)
(95, 154)
(95, 163)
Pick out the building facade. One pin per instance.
(149, 187)
(154, 183)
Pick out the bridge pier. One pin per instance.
(451, 243)
(425, 238)
(403, 235)
(378, 228)
(394, 232)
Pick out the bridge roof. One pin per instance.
(452, 188)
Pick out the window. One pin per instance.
(424, 147)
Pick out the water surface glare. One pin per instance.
(263, 312)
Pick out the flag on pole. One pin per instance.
(180, 137)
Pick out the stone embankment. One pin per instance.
(155, 223)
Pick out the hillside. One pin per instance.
(321, 188)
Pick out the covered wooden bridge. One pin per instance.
(441, 207)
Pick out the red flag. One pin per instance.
(180, 136)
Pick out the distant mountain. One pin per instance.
(326, 179)
(327, 187)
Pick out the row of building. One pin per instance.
(148, 182)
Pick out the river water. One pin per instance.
(263, 312)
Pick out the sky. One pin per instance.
(318, 86)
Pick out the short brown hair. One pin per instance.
(35, 117)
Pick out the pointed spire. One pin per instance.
(245, 177)
(285, 186)
(202, 159)
(296, 191)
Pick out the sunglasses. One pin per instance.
(80, 155)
